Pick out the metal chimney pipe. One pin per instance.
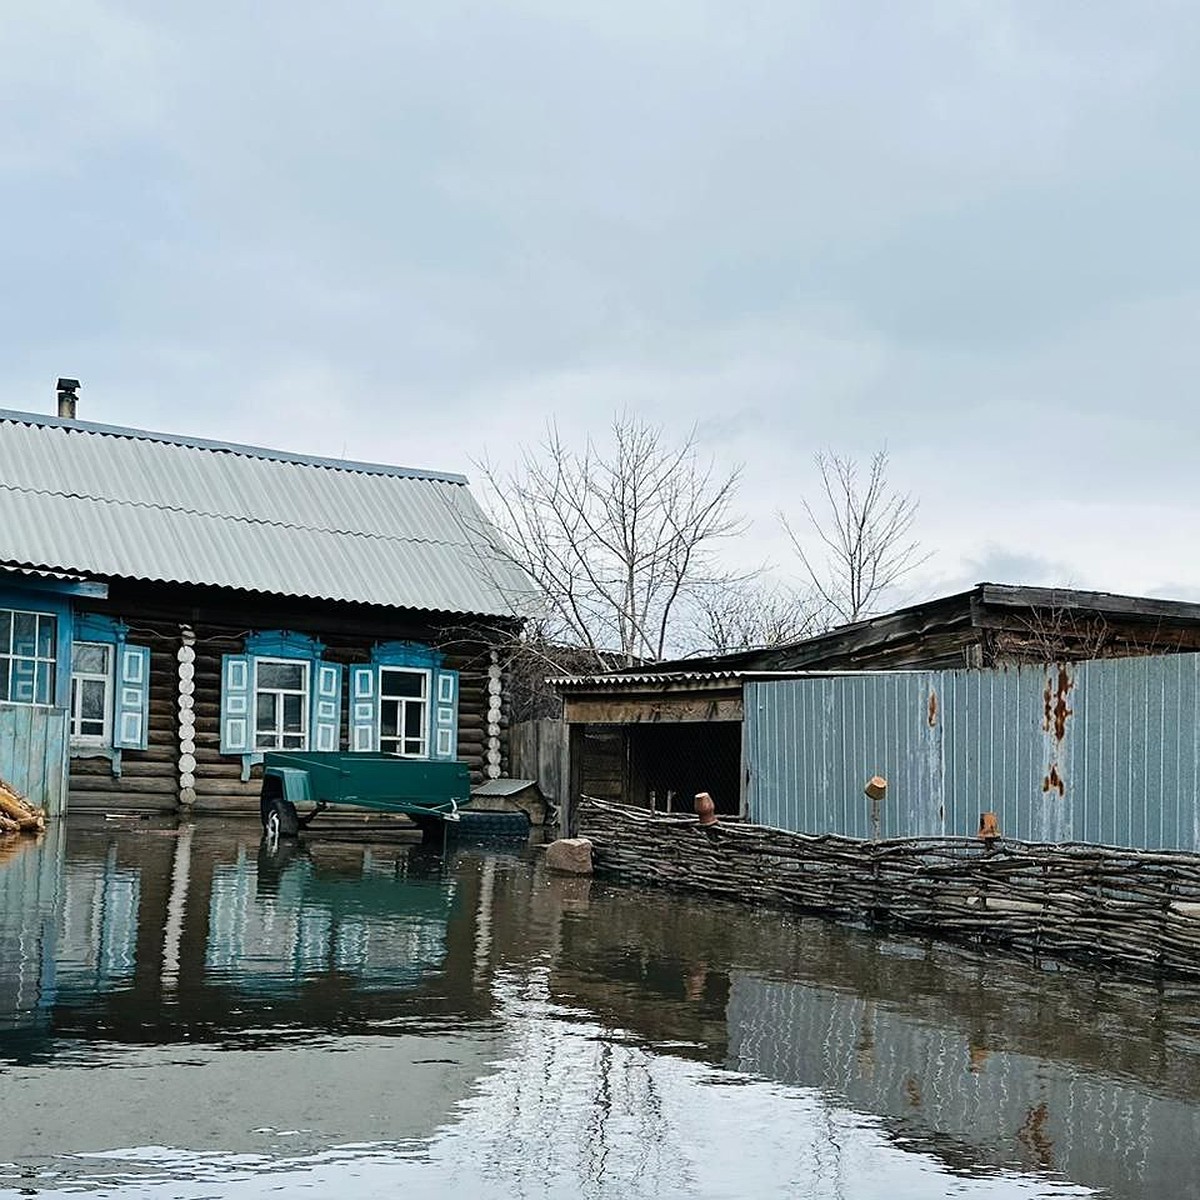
(67, 398)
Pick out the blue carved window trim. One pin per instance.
(440, 700)
(129, 687)
(239, 693)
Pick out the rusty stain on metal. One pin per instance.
(933, 708)
(1055, 700)
(1034, 1136)
(1054, 781)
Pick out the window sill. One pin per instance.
(94, 750)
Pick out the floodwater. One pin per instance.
(184, 1013)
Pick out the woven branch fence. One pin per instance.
(1136, 910)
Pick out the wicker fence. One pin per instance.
(1137, 910)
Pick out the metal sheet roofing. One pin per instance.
(684, 680)
(502, 787)
(125, 503)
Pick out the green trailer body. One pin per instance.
(429, 792)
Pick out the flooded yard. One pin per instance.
(187, 1013)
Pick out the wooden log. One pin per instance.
(14, 806)
(123, 786)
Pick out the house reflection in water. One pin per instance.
(179, 944)
(280, 919)
(161, 934)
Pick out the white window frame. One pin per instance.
(6, 653)
(404, 702)
(305, 707)
(91, 739)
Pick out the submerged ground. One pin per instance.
(186, 1013)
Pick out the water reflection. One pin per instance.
(184, 1011)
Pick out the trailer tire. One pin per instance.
(279, 817)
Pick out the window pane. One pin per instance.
(4, 678)
(281, 675)
(92, 729)
(45, 637)
(411, 746)
(389, 717)
(45, 683)
(293, 707)
(412, 720)
(92, 699)
(25, 634)
(293, 741)
(5, 631)
(21, 681)
(265, 741)
(89, 658)
(402, 683)
(265, 706)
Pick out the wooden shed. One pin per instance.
(172, 608)
(655, 735)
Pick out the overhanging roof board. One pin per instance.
(118, 504)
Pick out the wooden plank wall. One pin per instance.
(32, 745)
(539, 751)
(604, 771)
(154, 613)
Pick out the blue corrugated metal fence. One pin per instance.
(1099, 752)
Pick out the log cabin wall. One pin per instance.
(220, 621)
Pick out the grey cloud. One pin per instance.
(419, 230)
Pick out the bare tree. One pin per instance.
(746, 614)
(862, 531)
(617, 538)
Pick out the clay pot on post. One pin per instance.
(706, 810)
(875, 791)
(989, 830)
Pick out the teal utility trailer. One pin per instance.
(428, 792)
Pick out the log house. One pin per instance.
(172, 608)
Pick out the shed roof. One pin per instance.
(113, 502)
(924, 636)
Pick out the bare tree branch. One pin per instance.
(744, 614)
(618, 538)
(862, 534)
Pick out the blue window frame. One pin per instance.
(36, 626)
(28, 656)
(404, 702)
(280, 694)
(109, 699)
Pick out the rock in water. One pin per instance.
(571, 856)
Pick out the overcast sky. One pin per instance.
(413, 232)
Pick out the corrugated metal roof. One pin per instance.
(685, 679)
(122, 503)
(502, 787)
(642, 679)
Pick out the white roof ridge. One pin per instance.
(237, 448)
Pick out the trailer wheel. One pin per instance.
(279, 817)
